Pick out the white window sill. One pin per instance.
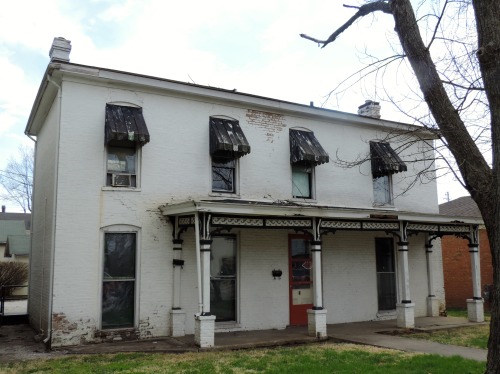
(224, 194)
(303, 200)
(384, 206)
(121, 189)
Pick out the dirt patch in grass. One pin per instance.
(470, 336)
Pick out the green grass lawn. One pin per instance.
(474, 336)
(313, 358)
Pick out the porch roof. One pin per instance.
(286, 208)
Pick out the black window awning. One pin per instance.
(227, 139)
(125, 126)
(305, 149)
(385, 161)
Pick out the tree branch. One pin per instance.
(377, 6)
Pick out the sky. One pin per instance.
(252, 46)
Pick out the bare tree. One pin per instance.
(460, 83)
(13, 273)
(17, 179)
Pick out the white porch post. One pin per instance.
(432, 300)
(205, 323)
(406, 309)
(475, 306)
(316, 317)
(177, 315)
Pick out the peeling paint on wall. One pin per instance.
(272, 123)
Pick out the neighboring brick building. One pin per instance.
(164, 208)
(456, 257)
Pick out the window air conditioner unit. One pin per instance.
(121, 180)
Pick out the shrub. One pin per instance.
(13, 273)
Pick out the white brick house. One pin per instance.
(163, 208)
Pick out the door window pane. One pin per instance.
(300, 268)
(386, 275)
(223, 278)
(118, 289)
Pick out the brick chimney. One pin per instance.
(3, 208)
(60, 50)
(369, 109)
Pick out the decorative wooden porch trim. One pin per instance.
(328, 225)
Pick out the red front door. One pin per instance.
(301, 296)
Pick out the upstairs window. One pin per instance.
(382, 190)
(305, 154)
(121, 167)
(302, 177)
(223, 174)
(125, 132)
(385, 162)
(227, 144)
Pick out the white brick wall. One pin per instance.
(43, 221)
(175, 166)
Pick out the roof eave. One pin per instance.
(229, 96)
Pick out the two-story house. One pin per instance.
(164, 208)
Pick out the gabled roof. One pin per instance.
(57, 71)
(11, 228)
(463, 207)
(26, 217)
(18, 245)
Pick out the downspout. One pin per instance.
(31, 234)
(54, 212)
(198, 259)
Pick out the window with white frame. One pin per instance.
(125, 133)
(227, 145)
(382, 190)
(223, 174)
(118, 282)
(385, 162)
(302, 178)
(121, 167)
(305, 154)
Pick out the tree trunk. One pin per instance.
(488, 53)
(481, 181)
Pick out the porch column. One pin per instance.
(432, 300)
(205, 322)
(316, 317)
(475, 306)
(406, 309)
(177, 315)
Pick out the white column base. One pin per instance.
(177, 322)
(405, 315)
(316, 323)
(432, 306)
(204, 331)
(475, 310)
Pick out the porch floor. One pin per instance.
(16, 342)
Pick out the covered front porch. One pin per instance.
(211, 218)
